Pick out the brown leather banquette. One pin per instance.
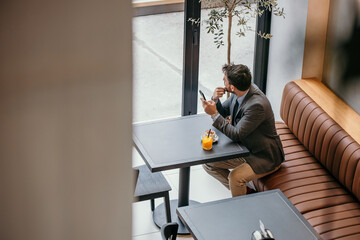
(321, 172)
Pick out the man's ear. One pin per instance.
(232, 88)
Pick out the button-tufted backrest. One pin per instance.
(324, 138)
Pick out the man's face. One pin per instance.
(227, 84)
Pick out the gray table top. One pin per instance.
(176, 143)
(237, 218)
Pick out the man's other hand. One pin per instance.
(218, 93)
(209, 106)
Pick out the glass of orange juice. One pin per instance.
(207, 143)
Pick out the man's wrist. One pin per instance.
(214, 115)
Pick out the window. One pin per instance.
(158, 63)
(212, 58)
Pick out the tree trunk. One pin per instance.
(229, 43)
(229, 38)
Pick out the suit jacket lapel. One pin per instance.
(248, 95)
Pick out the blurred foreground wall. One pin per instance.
(65, 119)
(341, 69)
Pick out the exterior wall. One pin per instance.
(286, 50)
(65, 119)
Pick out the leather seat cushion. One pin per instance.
(302, 179)
(321, 172)
(318, 133)
(337, 222)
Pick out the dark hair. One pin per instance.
(238, 75)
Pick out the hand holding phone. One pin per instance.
(202, 94)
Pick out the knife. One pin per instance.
(262, 228)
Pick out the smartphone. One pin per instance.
(202, 94)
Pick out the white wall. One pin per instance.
(65, 119)
(286, 50)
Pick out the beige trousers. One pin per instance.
(236, 179)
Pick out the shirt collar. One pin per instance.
(241, 99)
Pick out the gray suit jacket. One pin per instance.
(254, 127)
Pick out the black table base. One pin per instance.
(159, 216)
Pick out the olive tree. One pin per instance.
(239, 11)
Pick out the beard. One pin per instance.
(228, 90)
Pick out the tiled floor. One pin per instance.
(157, 44)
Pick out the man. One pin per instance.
(252, 124)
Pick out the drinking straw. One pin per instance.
(209, 132)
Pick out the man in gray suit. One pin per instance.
(252, 123)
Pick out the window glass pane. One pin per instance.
(158, 62)
(212, 58)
